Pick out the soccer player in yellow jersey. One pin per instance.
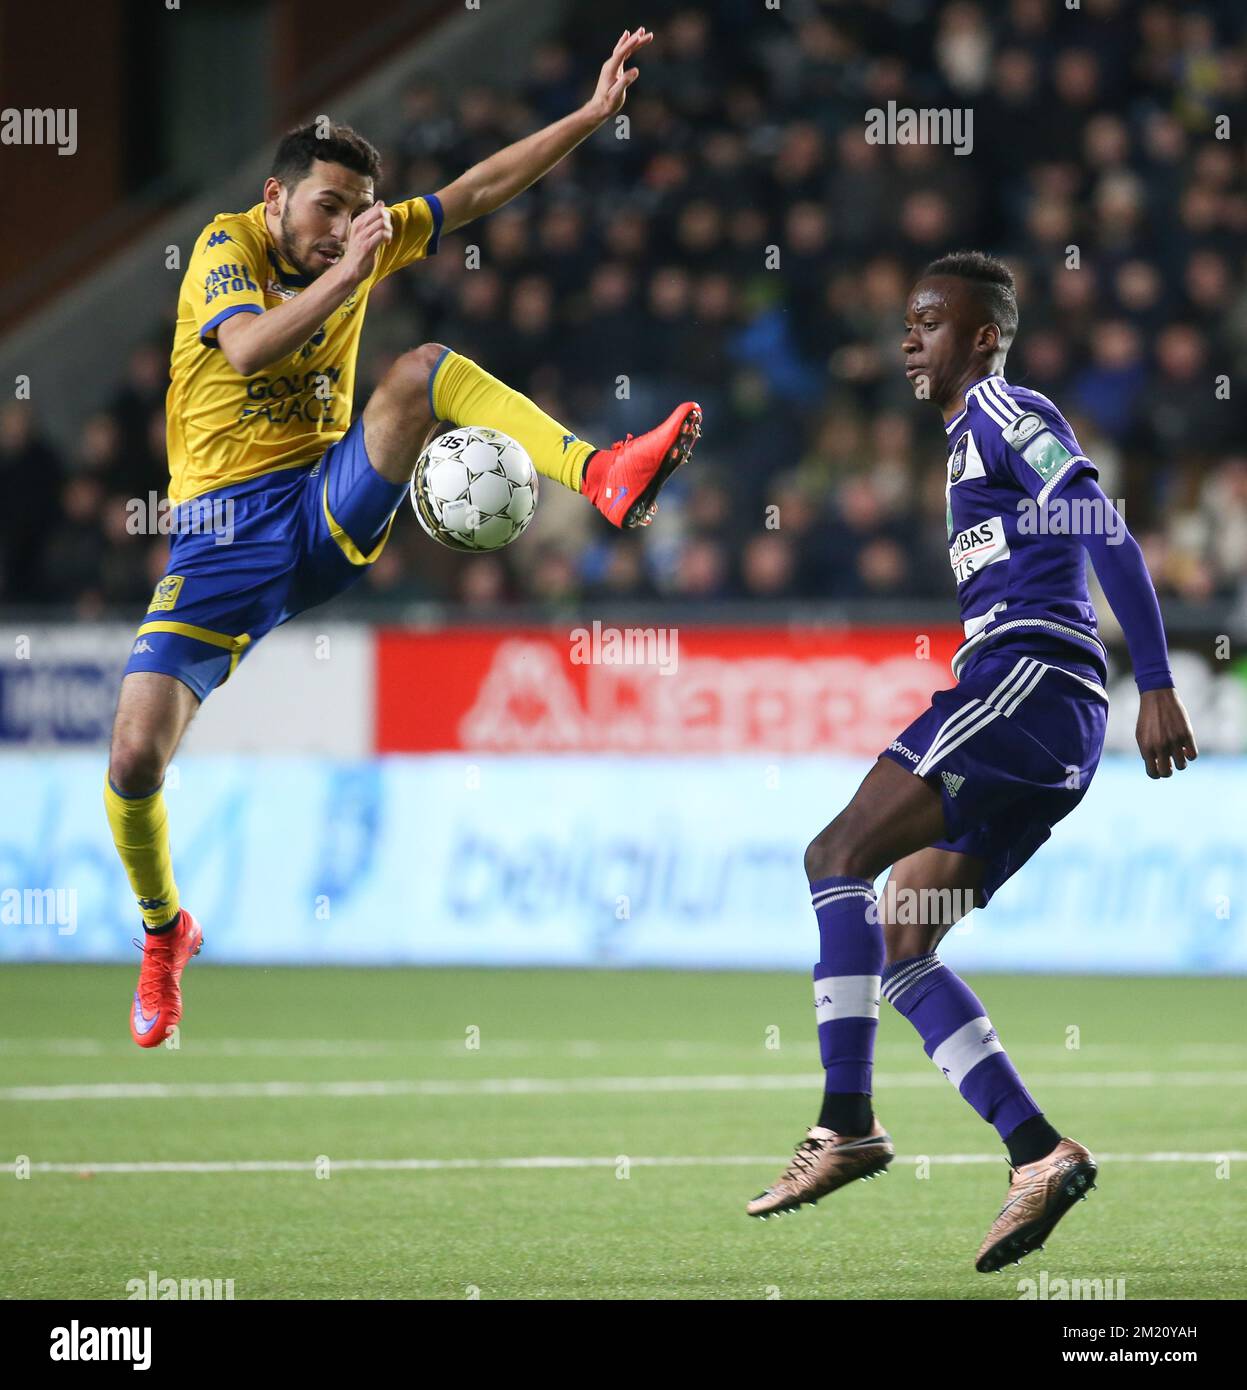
(279, 500)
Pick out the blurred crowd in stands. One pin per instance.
(745, 246)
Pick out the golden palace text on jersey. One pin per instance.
(224, 428)
(1020, 570)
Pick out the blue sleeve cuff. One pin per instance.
(432, 378)
(435, 207)
(213, 324)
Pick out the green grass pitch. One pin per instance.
(666, 1100)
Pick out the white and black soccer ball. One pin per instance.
(474, 489)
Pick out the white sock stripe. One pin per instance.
(833, 895)
(899, 984)
(846, 996)
(902, 976)
(895, 995)
(921, 975)
(962, 1051)
(821, 903)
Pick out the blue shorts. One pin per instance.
(1011, 749)
(244, 559)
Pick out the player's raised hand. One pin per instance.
(616, 77)
(1164, 733)
(370, 230)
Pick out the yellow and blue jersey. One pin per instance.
(224, 428)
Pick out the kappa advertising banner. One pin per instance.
(678, 690)
(345, 690)
(684, 690)
(620, 861)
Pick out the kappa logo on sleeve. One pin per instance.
(166, 594)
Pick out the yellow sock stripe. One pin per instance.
(233, 645)
(466, 395)
(352, 552)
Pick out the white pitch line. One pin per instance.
(590, 1085)
(560, 1047)
(438, 1165)
(358, 1047)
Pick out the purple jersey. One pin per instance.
(1019, 573)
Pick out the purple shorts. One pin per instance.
(1011, 749)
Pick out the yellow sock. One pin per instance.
(140, 826)
(465, 394)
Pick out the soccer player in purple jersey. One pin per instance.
(963, 797)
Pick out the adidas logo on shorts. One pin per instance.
(952, 782)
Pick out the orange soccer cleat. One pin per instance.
(158, 1001)
(623, 481)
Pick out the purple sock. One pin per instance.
(959, 1038)
(846, 980)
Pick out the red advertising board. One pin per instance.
(655, 690)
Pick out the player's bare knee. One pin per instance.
(837, 853)
(407, 381)
(135, 766)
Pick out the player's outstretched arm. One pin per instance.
(494, 181)
(1163, 731)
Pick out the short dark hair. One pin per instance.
(335, 144)
(993, 285)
